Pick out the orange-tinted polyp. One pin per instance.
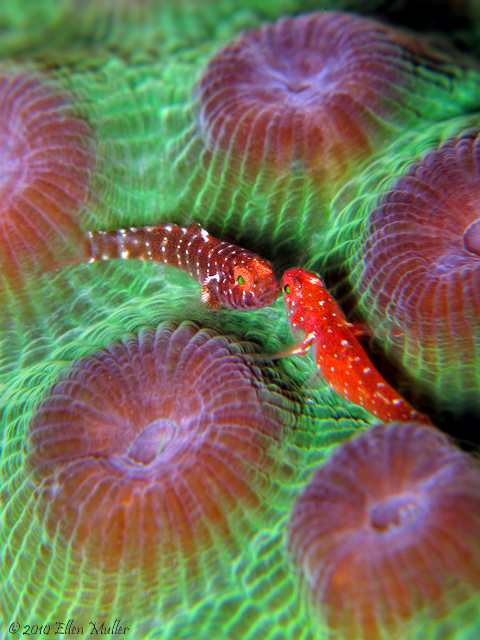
(420, 257)
(145, 450)
(318, 90)
(388, 530)
(46, 154)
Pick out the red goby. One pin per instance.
(339, 356)
(230, 276)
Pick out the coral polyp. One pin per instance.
(418, 268)
(148, 448)
(45, 161)
(319, 90)
(387, 532)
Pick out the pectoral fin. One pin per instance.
(209, 296)
(297, 350)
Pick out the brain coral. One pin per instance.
(387, 531)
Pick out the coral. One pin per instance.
(157, 439)
(81, 520)
(46, 158)
(285, 113)
(417, 269)
(149, 461)
(386, 533)
(321, 90)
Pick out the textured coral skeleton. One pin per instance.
(153, 467)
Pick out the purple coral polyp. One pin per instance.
(46, 155)
(155, 442)
(388, 529)
(422, 248)
(319, 90)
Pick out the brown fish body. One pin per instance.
(230, 275)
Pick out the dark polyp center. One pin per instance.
(152, 441)
(301, 79)
(471, 238)
(394, 512)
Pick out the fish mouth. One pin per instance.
(258, 300)
(270, 294)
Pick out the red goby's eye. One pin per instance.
(243, 277)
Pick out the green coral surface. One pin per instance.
(131, 71)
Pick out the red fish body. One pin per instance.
(339, 356)
(230, 276)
